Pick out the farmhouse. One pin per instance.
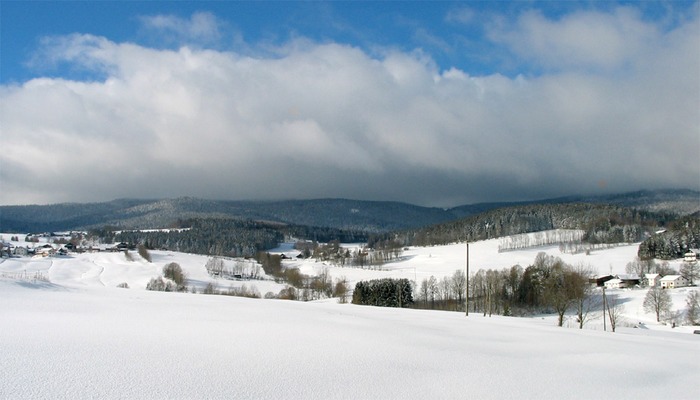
(673, 281)
(614, 284)
(600, 280)
(622, 282)
(120, 247)
(652, 279)
(46, 250)
(690, 256)
(630, 280)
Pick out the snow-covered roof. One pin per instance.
(670, 277)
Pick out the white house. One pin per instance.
(690, 256)
(673, 281)
(652, 279)
(45, 250)
(21, 251)
(614, 284)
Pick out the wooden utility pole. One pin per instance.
(466, 304)
(605, 305)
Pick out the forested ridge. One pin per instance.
(224, 236)
(369, 216)
(237, 228)
(601, 223)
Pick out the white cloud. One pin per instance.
(463, 15)
(202, 26)
(590, 39)
(329, 120)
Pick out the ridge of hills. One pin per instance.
(346, 214)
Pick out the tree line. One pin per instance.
(542, 238)
(223, 236)
(549, 285)
(375, 253)
(301, 286)
(600, 224)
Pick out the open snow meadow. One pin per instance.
(73, 334)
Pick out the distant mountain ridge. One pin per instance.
(369, 216)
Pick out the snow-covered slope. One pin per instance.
(108, 343)
(78, 336)
(109, 269)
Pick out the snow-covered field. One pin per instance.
(78, 336)
(421, 262)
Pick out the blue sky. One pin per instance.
(477, 101)
(453, 34)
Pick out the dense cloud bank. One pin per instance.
(615, 108)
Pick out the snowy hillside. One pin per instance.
(79, 336)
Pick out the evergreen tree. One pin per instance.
(383, 293)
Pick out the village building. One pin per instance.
(672, 282)
(623, 282)
(652, 279)
(599, 281)
(21, 251)
(629, 280)
(45, 250)
(615, 283)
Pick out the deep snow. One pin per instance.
(81, 337)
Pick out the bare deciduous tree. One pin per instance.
(424, 292)
(615, 310)
(657, 301)
(690, 271)
(665, 269)
(641, 267)
(564, 287)
(458, 285)
(209, 289)
(215, 266)
(445, 290)
(174, 272)
(692, 310)
(341, 290)
(143, 252)
(584, 301)
(432, 289)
